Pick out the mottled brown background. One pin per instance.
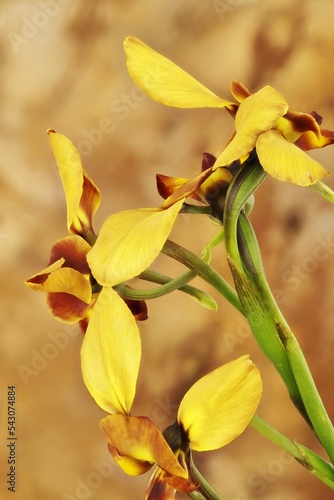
(62, 66)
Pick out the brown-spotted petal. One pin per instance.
(140, 439)
(73, 249)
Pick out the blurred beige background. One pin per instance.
(63, 67)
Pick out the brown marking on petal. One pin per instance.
(89, 203)
(74, 250)
(38, 279)
(302, 122)
(239, 91)
(158, 489)
(308, 140)
(188, 189)
(328, 133)
(167, 185)
(66, 307)
(42, 276)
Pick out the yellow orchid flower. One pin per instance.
(262, 120)
(110, 364)
(209, 187)
(279, 137)
(68, 281)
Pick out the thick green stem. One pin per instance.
(262, 324)
(312, 407)
(319, 467)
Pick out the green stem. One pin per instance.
(312, 407)
(202, 269)
(324, 191)
(319, 467)
(246, 181)
(204, 487)
(316, 411)
(168, 285)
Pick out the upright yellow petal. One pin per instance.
(110, 353)
(140, 439)
(219, 406)
(129, 242)
(256, 114)
(165, 82)
(286, 162)
(82, 196)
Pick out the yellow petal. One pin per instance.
(286, 162)
(219, 406)
(129, 242)
(62, 280)
(110, 353)
(82, 196)
(39, 278)
(140, 439)
(256, 114)
(164, 81)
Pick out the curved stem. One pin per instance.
(313, 408)
(205, 271)
(204, 487)
(168, 285)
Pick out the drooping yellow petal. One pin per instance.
(37, 279)
(256, 114)
(140, 439)
(69, 292)
(82, 195)
(129, 242)
(110, 353)
(165, 82)
(219, 406)
(61, 280)
(286, 162)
